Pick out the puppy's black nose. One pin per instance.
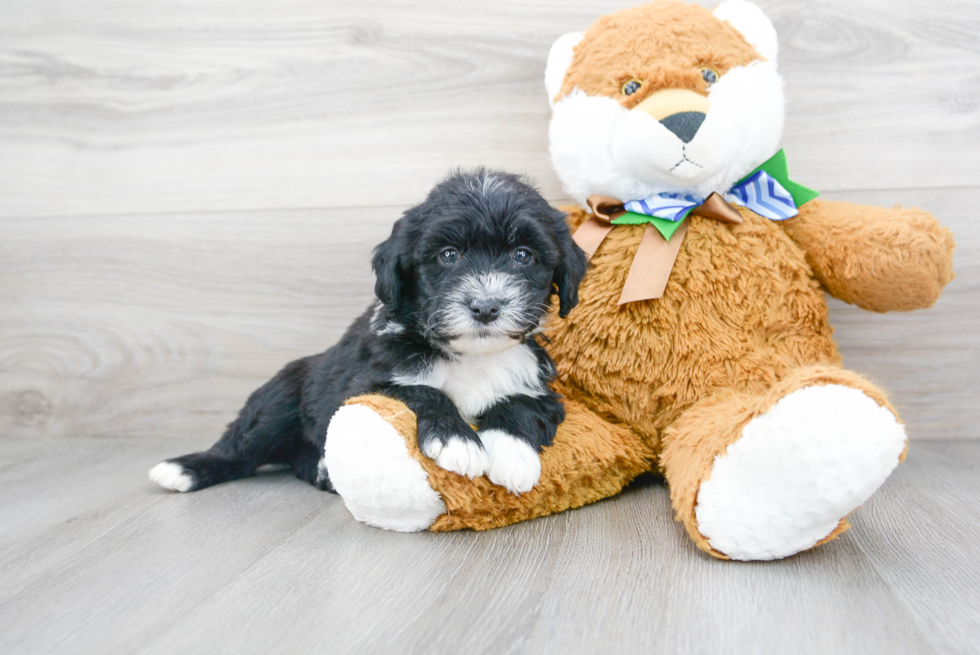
(485, 310)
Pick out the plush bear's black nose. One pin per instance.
(485, 310)
(684, 124)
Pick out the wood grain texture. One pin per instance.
(162, 325)
(123, 107)
(95, 560)
(938, 584)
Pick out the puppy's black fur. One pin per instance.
(469, 271)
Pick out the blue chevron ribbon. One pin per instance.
(767, 191)
(673, 207)
(761, 193)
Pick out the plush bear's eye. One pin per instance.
(449, 256)
(523, 256)
(631, 87)
(710, 75)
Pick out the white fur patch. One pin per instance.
(752, 98)
(371, 469)
(171, 476)
(459, 455)
(381, 326)
(559, 59)
(321, 471)
(490, 183)
(513, 463)
(580, 138)
(469, 345)
(797, 470)
(504, 287)
(475, 382)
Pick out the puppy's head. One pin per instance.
(473, 267)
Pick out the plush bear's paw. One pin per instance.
(514, 464)
(796, 471)
(370, 467)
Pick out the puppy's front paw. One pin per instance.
(514, 463)
(458, 455)
(453, 448)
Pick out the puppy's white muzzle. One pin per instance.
(486, 313)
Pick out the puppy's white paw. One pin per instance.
(513, 463)
(171, 476)
(459, 455)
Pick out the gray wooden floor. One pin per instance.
(95, 561)
(189, 193)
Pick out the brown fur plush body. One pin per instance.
(743, 308)
(669, 384)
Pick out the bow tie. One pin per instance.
(767, 191)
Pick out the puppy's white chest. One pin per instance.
(476, 382)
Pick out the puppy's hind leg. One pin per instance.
(199, 470)
(266, 432)
(238, 454)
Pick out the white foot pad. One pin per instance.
(171, 476)
(461, 456)
(513, 463)
(380, 483)
(797, 470)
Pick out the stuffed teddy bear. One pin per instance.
(701, 347)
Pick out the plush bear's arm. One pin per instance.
(879, 259)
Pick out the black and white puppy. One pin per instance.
(464, 283)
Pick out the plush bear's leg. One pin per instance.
(763, 476)
(376, 466)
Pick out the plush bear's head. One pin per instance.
(664, 97)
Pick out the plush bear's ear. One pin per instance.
(387, 263)
(559, 59)
(571, 267)
(751, 23)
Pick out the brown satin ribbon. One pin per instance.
(655, 255)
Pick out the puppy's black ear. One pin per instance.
(571, 266)
(387, 263)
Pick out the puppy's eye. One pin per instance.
(631, 86)
(449, 256)
(710, 75)
(523, 256)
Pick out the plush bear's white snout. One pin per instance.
(665, 152)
